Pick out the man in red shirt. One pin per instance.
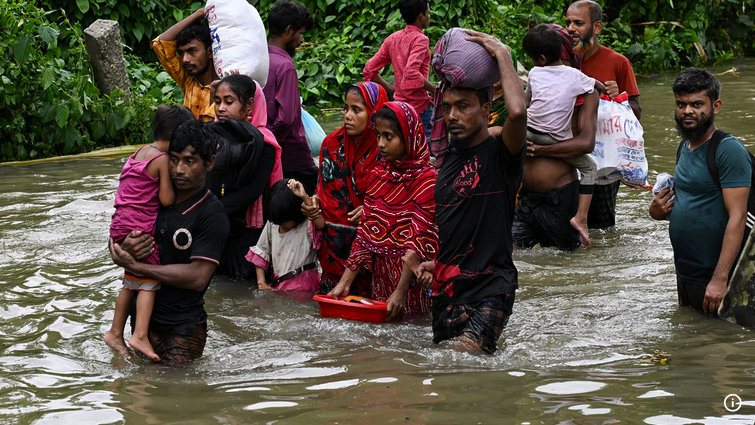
(409, 52)
(584, 23)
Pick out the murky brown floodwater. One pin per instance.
(572, 353)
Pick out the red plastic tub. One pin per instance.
(342, 309)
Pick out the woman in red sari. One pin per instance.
(398, 219)
(347, 157)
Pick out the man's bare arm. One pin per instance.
(193, 276)
(172, 33)
(581, 144)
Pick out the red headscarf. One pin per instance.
(345, 167)
(399, 209)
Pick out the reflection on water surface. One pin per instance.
(573, 351)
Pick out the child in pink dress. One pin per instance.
(144, 185)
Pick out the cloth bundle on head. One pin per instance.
(399, 208)
(567, 43)
(458, 63)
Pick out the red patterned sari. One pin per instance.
(398, 215)
(345, 167)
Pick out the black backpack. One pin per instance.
(710, 160)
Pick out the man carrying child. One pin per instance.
(190, 235)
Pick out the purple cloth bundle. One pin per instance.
(458, 63)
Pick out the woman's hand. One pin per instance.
(312, 211)
(341, 290)
(411, 260)
(425, 274)
(355, 215)
(397, 302)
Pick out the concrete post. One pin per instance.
(103, 43)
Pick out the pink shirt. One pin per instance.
(409, 52)
(137, 199)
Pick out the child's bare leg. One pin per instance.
(579, 221)
(114, 337)
(140, 339)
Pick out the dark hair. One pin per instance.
(354, 89)
(168, 118)
(199, 32)
(543, 40)
(695, 80)
(411, 9)
(196, 134)
(595, 11)
(484, 95)
(283, 205)
(385, 113)
(241, 85)
(285, 13)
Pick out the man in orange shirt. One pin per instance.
(584, 23)
(185, 51)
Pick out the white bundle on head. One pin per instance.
(238, 39)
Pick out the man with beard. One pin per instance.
(475, 277)
(287, 23)
(707, 220)
(584, 23)
(185, 51)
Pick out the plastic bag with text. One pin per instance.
(238, 39)
(619, 145)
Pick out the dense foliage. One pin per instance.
(43, 47)
(49, 104)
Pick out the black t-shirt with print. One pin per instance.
(475, 196)
(193, 229)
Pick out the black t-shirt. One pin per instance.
(475, 196)
(194, 229)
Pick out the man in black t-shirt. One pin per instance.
(475, 277)
(190, 236)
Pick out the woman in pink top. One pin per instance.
(144, 185)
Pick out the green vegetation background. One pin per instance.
(50, 106)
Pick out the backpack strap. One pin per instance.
(710, 160)
(679, 151)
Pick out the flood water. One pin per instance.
(572, 353)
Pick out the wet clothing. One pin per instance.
(195, 229)
(284, 111)
(544, 218)
(602, 212)
(409, 52)
(196, 96)
(699, 217)
(180, 349)
(345, 167)
(691, 295)
(481, 321)
(475, 195)
(137, 202)
(288, 252)
(608, 65)
(399, 214)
